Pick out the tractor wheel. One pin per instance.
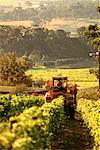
(48, 99)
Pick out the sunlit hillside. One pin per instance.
(25, 23)
(69, 24)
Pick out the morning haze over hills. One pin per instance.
(33, 2)
(51, 30)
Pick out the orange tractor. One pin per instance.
(55, 88)
(59, 86)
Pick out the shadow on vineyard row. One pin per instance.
(72, 135)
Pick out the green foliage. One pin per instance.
(41, 44)
(79, 76)
(90, 111)
(92, 33)
(14, 105)
(12, 70)
(95, 72)
(98, 8)
(34, 128)
(1, 51)
(96, 43)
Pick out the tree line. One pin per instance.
(41, 44)
(12, 70)
(92, 33)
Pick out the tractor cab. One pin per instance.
(59, 87)
(59, 83)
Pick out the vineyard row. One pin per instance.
(90, 112)
(32, 129)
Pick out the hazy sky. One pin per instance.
(15, 2)
(8, 2)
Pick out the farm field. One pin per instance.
(69, 24)
(56, 22)
(26, 23)
(49, 75)
(82, 77)
(27, 122)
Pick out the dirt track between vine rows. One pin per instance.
(70, 136)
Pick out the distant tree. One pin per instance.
(98, 8)
(35, 58)
(92, 33)
(1, 51)
(12, 70)
(80, 31)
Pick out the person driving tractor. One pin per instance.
(60, 85)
